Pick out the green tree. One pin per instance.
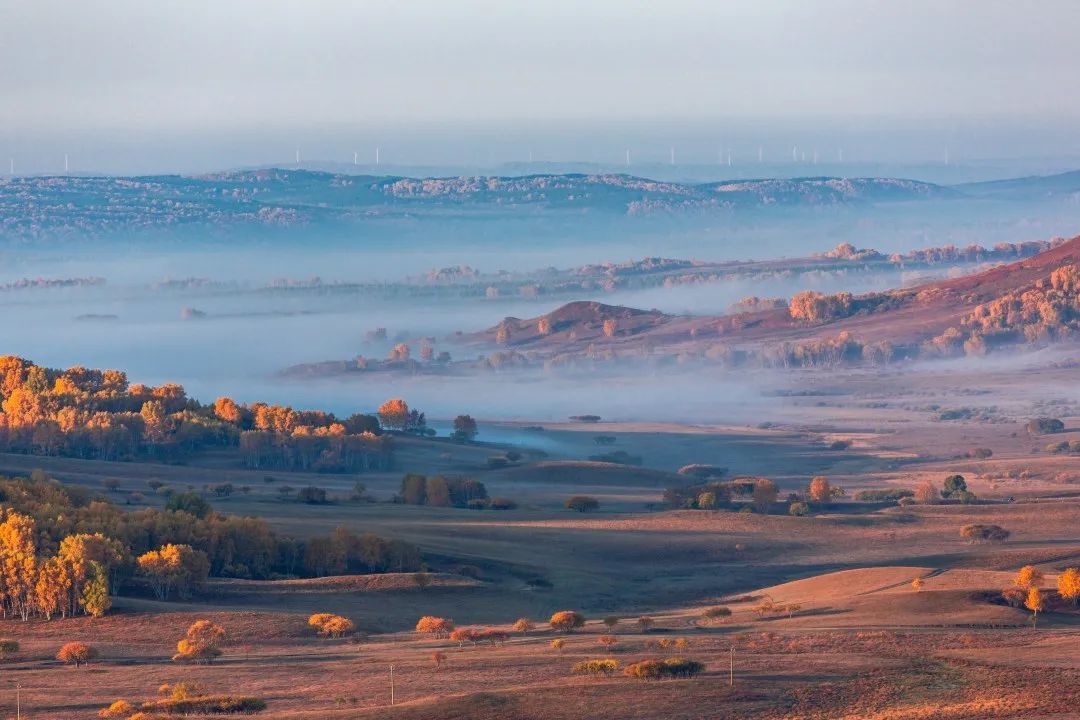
(95, 591)
(190, 503)
(954, 484)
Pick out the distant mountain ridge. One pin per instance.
(39, 207)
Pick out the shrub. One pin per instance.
(719, 612)
(201, 644)
(566, 621)
(606, 666)
(798, 509)
(8, 647)
(333, 626)
(206, 705)
(119, 709)
(522, 625)
(682, 668)
(1045, 426)
(984, 533)
(607, 640)
(814, 307)
(610, 621)
(703, 472)
(583, 503)
(619, 457)
(893, 494)
(76, 653)
(558, 644)
(311, 495)
(501, 503)
(645, 623)
(1014, 596)
(644, 670)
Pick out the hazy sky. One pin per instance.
(220, 68)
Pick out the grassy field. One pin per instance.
(862, 642)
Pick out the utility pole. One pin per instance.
(731, 668)
(18, 702)
(391, 684)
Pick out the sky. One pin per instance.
(188, 82)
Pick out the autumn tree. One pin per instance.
(1034, 602)
(927, 493)
(820, 491)
(645, 623)
(18, 565)
(76, 653)
(178, 568)
(394, 414)
(434, 626)
(332, 626)
(1068, 584)
(201, 643)
(226, 410)
(438, 657)
(566, 621)
(917, 584)
(1028, 577)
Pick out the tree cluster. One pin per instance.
(440, 491)
(98, 414)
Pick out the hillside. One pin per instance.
(1033, 299)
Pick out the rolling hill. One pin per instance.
(1035, 299)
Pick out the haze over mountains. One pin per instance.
(73, 206)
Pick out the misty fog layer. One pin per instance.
(234, 339)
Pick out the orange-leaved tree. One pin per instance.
(1068, 583)
(201, 644)
(1034, 603)
(394, 414)
(434, 626)
(76, 653)
(1028, 577)
(566, 621)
